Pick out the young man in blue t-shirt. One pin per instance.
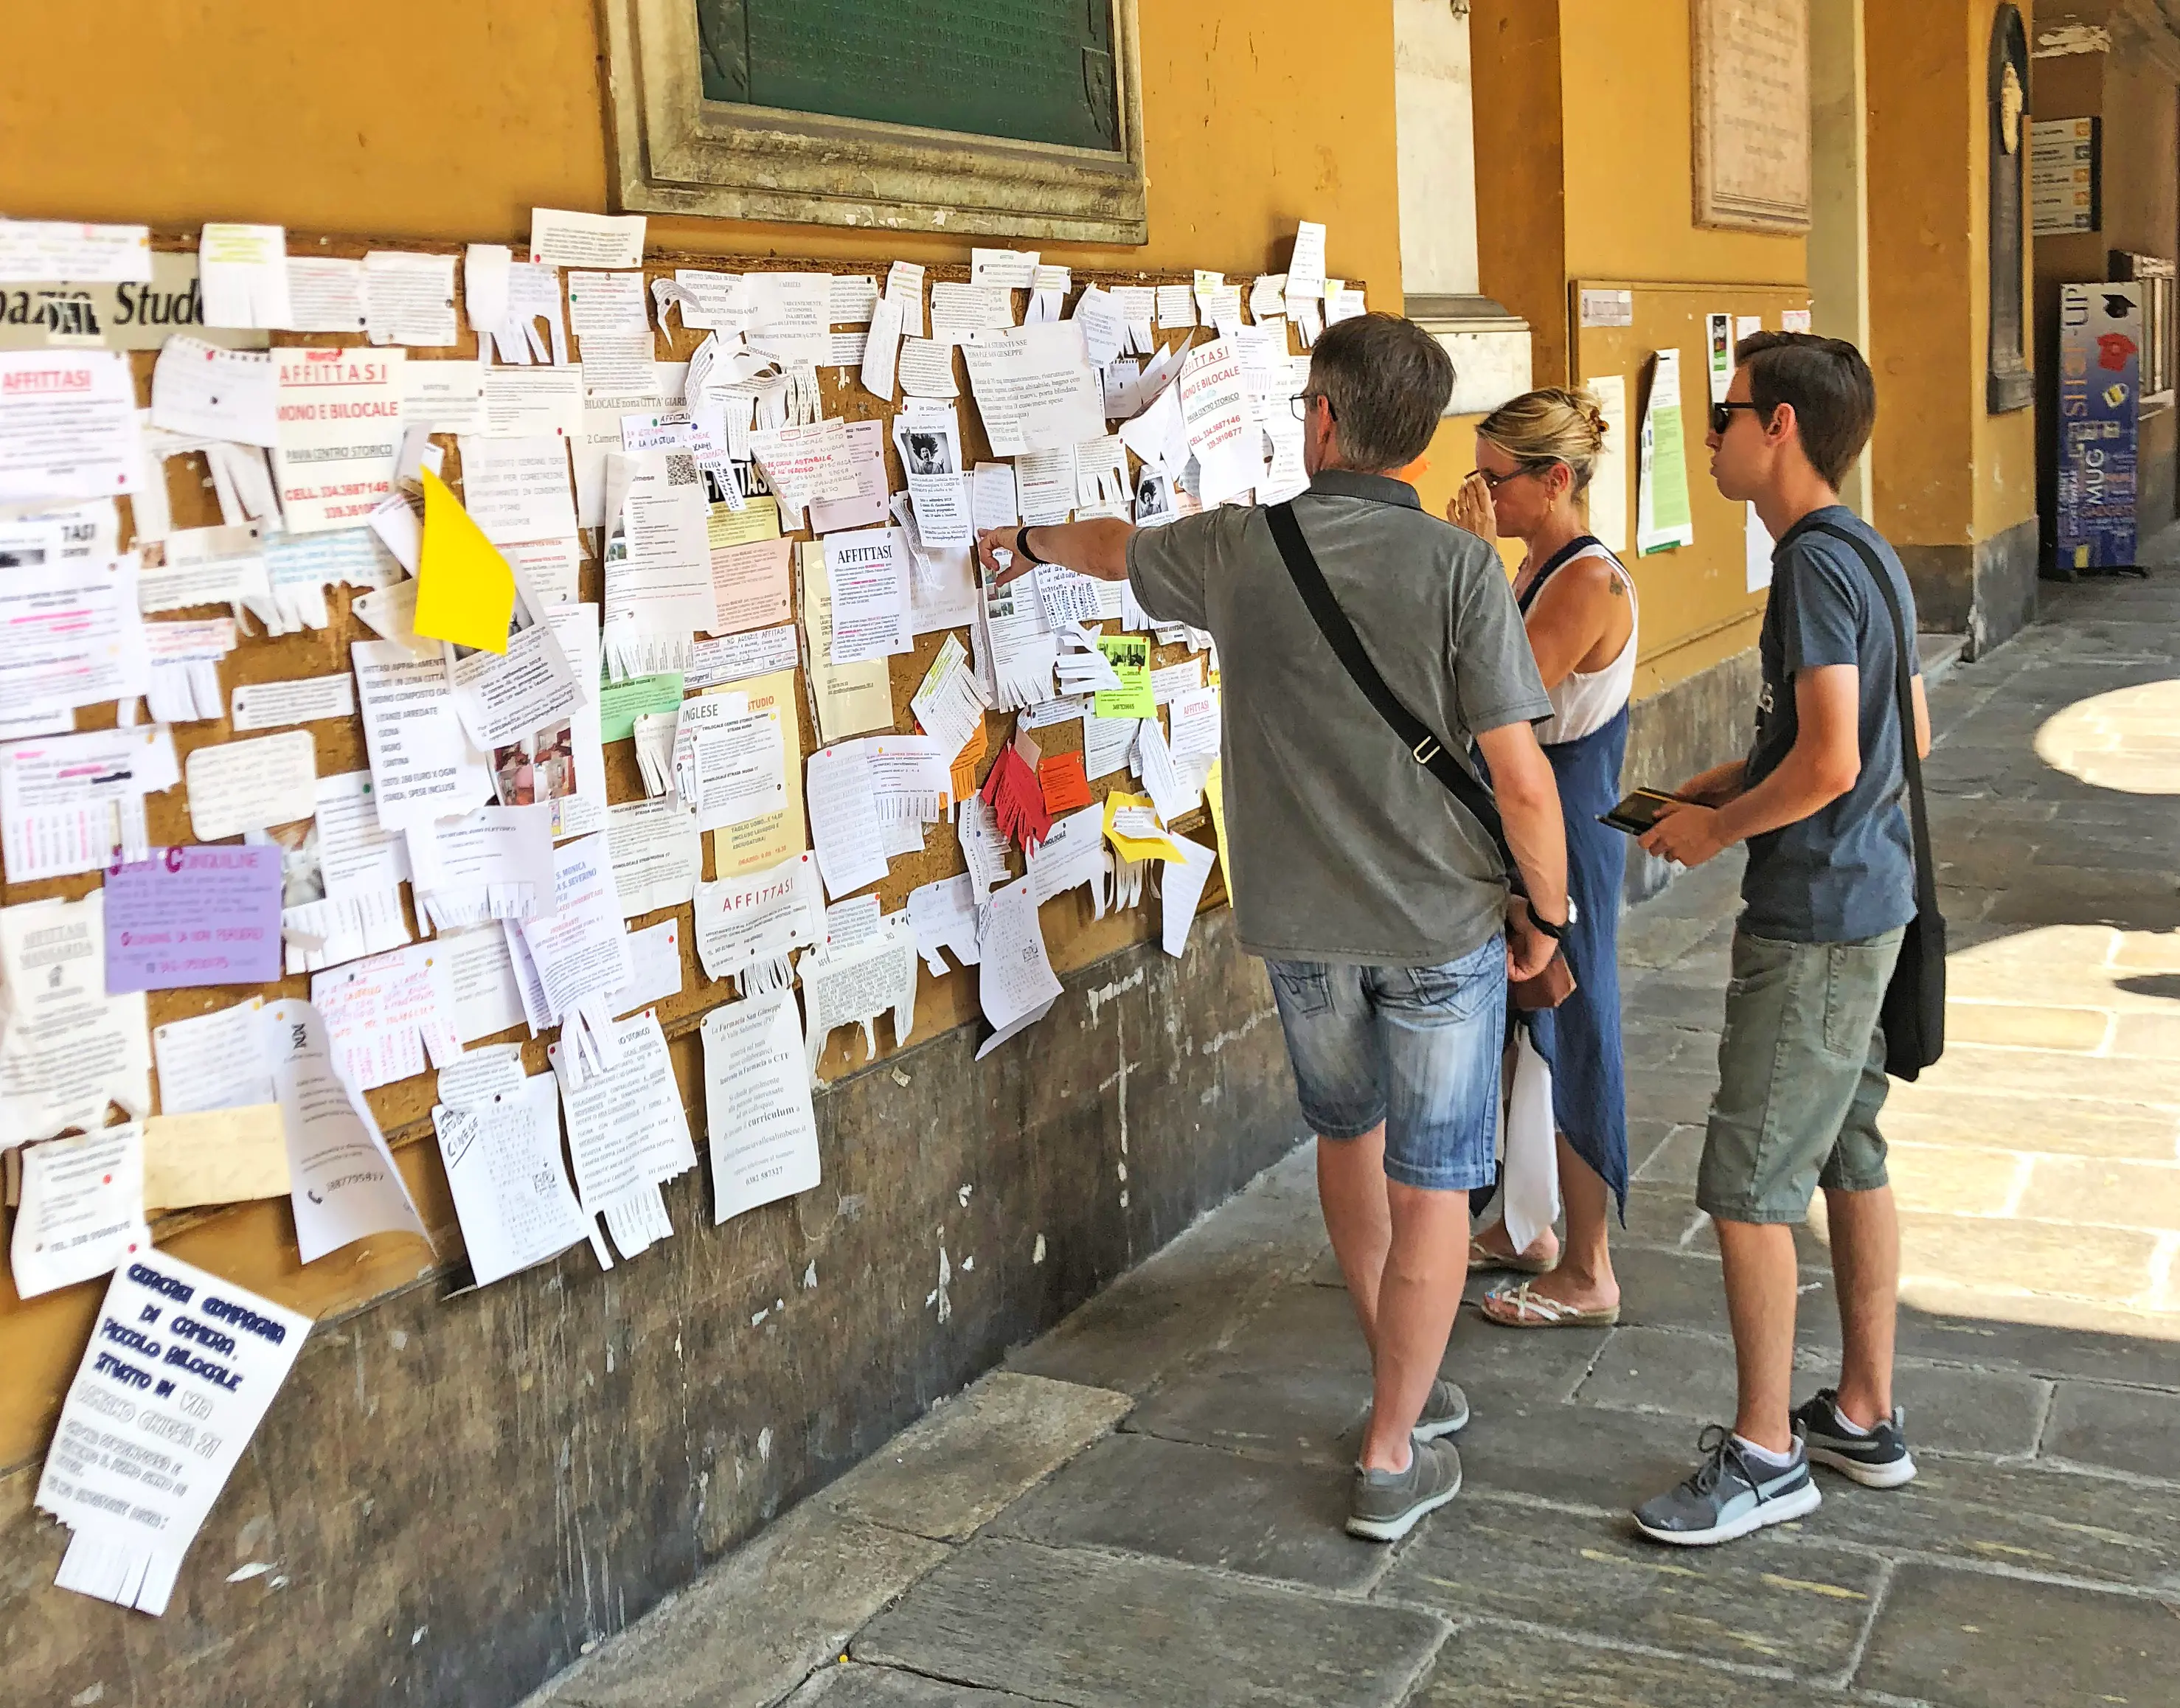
(1830, 882)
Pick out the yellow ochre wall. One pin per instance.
(1945, 472)
(450, 121)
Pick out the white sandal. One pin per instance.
(1533, 1310)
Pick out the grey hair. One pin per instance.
(1388, 382)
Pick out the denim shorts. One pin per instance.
(1801, 1069)
(1418, 1048)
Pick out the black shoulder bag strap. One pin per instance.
(1915, 1003)
(1423, 747)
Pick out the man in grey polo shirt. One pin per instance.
(1381, 904)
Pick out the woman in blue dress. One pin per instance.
(1534, 457)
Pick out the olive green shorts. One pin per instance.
(1801, 1069)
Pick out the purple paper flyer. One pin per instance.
(193, 916)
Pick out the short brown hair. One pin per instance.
(1828, 383)
(1388, 382)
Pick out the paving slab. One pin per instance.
(1968, 1641)
(1301, 1412)
(1762, 1601)
(2051, 1126)
(2028, 1517)
(1099, 1632)
(746, 1633)
(1203, 1507)
(1512, 1668)
(1659, 1215)
(956, 1469)
(1191, 1296)
(846, 1685)
(2074, 1339)
(1950, 1408)
(2132, 1429)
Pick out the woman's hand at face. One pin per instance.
(1471, 509)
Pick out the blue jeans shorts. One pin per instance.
(1418, 1048)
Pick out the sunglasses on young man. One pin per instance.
(1721, 414)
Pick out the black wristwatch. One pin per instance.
(1556, 933)
(1022, 548)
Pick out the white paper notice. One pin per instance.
(45, 252)
(1215, 409)
(242, 271)
(559, 238)
(203, 391)
(305, 700)
(654, 954)
(580, 953)
(343, 1182)
(443, 397)
(409, 299)
(68, 425)
(1608, 484)
(68, 802)
(869, 582)
(657, 854)
(214, 1061)
(251, 785)
(71, 635)
(762, 1126)
(518, 488)
(493, 863)
(423, 765)
(729, 763)
(747, 927)
(174, 1382)
(511, 1194)
(82, 1210)
(844, 818)
(1016, 983)
(339, 433)
(627, 1127)
(1035, 388)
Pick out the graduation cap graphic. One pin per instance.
(2116, 306)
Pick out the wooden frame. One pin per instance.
(676, 152)
(1729, 39)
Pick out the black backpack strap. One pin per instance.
(1424, 747)
(1904, 675)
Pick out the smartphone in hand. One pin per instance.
(1638, 812)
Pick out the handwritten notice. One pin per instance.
(194, 915)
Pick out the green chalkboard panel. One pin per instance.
(1030, 70)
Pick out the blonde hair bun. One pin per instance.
(1552, 424)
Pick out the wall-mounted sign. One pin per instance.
(115, 316)
(2099, 374)
(2065, 171)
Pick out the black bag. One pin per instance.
(1914, 1013)
(1548, 988)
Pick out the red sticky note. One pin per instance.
(1012, 791)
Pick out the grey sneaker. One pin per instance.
(1445, 1412)
(1729, 1495)
(1877, 1460)
(1388, 1504)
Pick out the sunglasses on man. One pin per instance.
(1721, 414)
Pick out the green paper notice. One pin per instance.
(1663, 517)
(621, 703)
(1130, 656)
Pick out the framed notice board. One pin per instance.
(1697, 607)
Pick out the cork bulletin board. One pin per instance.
(254, 1243)
(1695, 598)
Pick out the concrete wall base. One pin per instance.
(453, 1498)
(1986, 592)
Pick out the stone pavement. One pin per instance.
(1144, 1508)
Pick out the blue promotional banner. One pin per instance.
(2099, 374)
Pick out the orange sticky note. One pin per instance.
(965, 762)
(465, 590)
(1062, 777)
